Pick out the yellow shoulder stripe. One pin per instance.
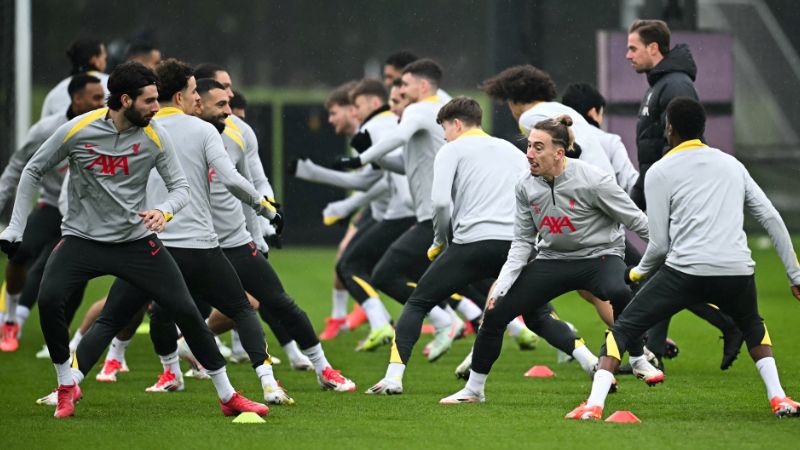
(148, 130)
(91, 117)
(229, 122)
(235, 136)
(167, 111)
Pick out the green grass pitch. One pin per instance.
(698, 406)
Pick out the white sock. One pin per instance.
(515, 327)
(222, 384)
(600, 386)
(395, 372)
(376, 312)
(236, 343)
(292, 350)
(266, 376)
(317, 356)
(64, 373)
(476, 382)
(585, 357)
(11, 306)
(468, 309)
(117, 350)
(769, 373)
(22, 316)
(172, 363)
(440, 319)
(339, 304)
(634, 360)
(76, 340)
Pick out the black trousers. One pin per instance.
(261, 281)
(402, 265)
(43, 229)
(143, 263)
(359, 259)
(540, 282)
(670, 291)
(212, 280)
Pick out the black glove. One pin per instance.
(291, 168)
(9, 248)
(278, 220)
(575, 151)
(347, 162)
(361, 141)
(275, 241)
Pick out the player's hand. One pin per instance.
(154, 220)
(291, 168)
(347, 162)
(335, 212)
(361, 141)
(279, 220)
(266, 209)
(795, 291)
(632, 276)
(575, 151)
(10, 241)
(434, 251)
(261, 244)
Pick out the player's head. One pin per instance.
(217, 73)
(587, 100)
(458, 116)
(341, 113)
(87, 54)
(648, 43)
(421, 79)
(397, 102)
(214, 106)
(548, 144)
(177, 85)
(686, 120)
(144, 52)
(520, 86)
(86, 93)
(394, 65)
(238, 104)
(132, 90)
(368, 96)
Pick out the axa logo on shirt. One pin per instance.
(109, 164)
(555, 224)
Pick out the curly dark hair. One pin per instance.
(128, 78)
(521, 84)
(173, 75)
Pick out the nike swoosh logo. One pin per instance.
(155, 252)
(89, 145)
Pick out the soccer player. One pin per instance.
(86, 56)
(261, 182)
(239, 105)
(402, 265)
(576, 211)
(685, 263)
(472, 194)
(145, 53)
(44, 224)
(248, 257)
(106, 230)
(393, 71)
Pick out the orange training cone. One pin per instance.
(540, 372)
(623, 417)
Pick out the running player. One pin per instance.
(106, 230)
(473, 185)
(696, 184)
(576, 211)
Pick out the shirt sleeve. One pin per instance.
(444, 172)
(219, 160)
(623, 167)
(525, 233)
(49, 155)
(657, 195)
(170, 170)
(411, 123)
(359, 180)
(759, 206)
(260, 179)
(616, 203)
(13, 171)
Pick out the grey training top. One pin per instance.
(108, 174)
(577, 217)
(57, 100)
(696, 198)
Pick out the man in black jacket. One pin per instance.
(670, 73)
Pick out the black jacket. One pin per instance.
(672, 77)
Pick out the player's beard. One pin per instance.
(219, 122)
(136, 118)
